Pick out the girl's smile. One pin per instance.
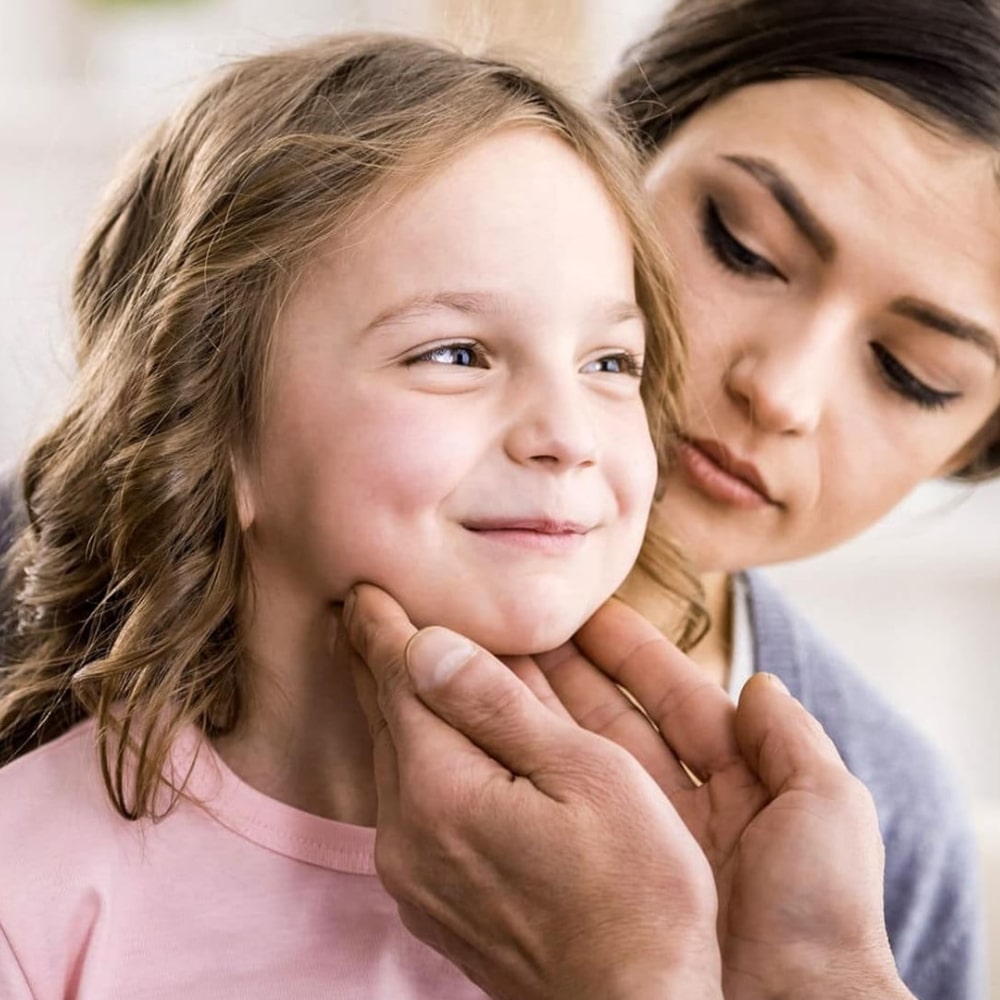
(454, 408)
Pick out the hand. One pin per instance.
(537, 856)
(791, 835)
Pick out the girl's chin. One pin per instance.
(514, 634)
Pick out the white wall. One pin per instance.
(916, 603)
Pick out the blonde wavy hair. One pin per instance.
(128, 576)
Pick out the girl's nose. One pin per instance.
(552, 424)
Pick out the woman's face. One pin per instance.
(839, 278)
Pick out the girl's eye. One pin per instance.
(902, 381)
(460, 355)
(729, 251)
(615, 364)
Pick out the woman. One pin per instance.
(824, 175)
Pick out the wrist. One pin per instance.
(878, 980)
(693, 974)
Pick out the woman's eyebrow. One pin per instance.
(943, 321)
(794, 205)
(788, 196)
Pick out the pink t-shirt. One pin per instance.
(234, 897)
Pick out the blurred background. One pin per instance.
(915, 603)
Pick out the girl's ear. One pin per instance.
(246, 509)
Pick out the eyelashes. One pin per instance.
(469, 354)
(461, 354)
(739, 259)
(728, 250)
(621, 363)
(902, 381)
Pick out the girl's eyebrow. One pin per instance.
(474, 303)
(486, 303)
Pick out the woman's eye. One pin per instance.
(729, 251)
(459, 355)
(622, 363)
(902, 381)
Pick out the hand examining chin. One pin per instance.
(488, 833)
(538, 831)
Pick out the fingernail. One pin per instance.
(434, 655)
(349, 602)
(777, 682)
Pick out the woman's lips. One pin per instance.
(713, 471)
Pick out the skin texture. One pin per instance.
(462, 361)
(787, 354)
(520, 772)
(790, 836)
(454, 386)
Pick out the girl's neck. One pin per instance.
(303, 738)
(712, 653)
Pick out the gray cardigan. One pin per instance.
(933, 908)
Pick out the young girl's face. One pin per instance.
(838, 270)
(454, 409)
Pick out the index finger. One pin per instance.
(380, 632)
(598, 704)
(383, 749)
(694, 714)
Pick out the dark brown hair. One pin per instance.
(938, 60)
(130, 572)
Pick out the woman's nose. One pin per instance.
(552, 424)
(774, 397)
(783, 383)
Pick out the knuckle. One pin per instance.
(502, 697)
(378, 728)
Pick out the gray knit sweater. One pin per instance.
(932, 901)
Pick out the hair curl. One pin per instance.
(130, 572)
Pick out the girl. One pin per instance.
(824, 175)
(363, 309)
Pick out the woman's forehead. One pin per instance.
(869, 176)
(818, 115)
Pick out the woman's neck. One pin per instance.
(713, 652)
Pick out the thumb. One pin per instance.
(480, 697)
(783, 744)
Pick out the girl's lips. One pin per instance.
(541, 535)
(710, 469)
